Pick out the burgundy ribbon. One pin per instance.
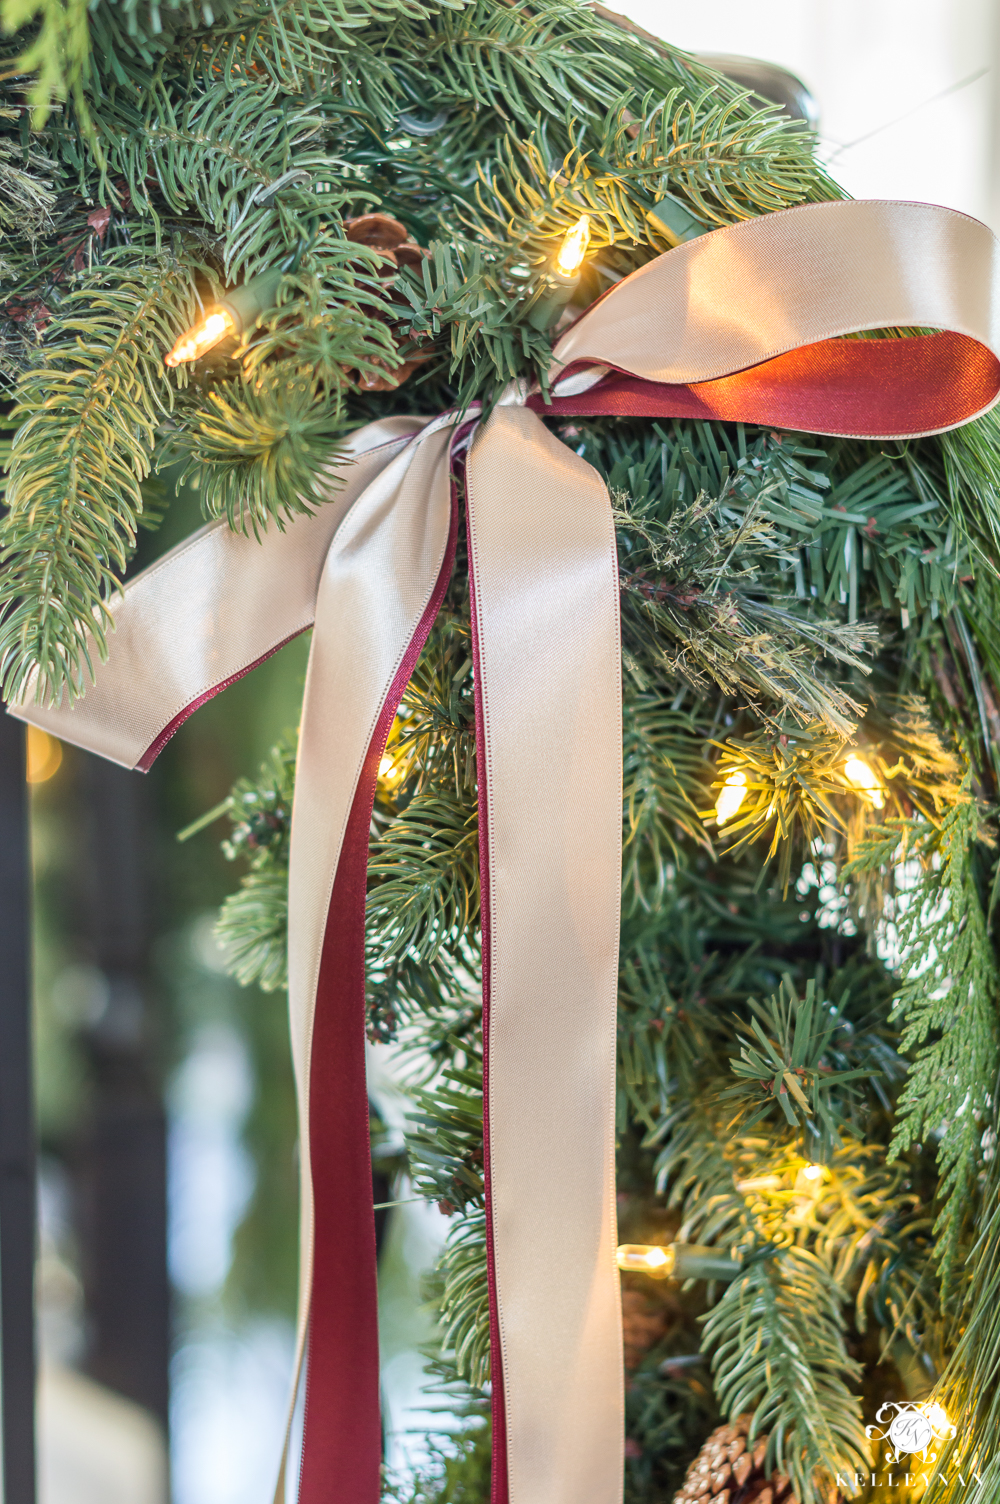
(857, 386)
(860, 388)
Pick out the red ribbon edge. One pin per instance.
(342, 1438)
(860, 388)
(499, 1487)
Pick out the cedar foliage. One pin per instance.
(814, 982)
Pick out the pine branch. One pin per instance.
(950, 986)
(778, 1340)
(464, 1302)
(445, 1140)
(787, 1056)
(798, 785)
(717, 160)
(425, 877)
(88, 416)
(688, 609)
(255, 449)
(253, 923)
(56, 50)
(664, 773)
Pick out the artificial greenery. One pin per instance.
(810, 984)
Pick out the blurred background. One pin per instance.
(166, 1114)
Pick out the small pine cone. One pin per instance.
(395, 247)
(728, 1470)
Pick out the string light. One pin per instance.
(858, 773)
(385, 767)
(238, 311)
(678, 1261)
(938, 1417)
(44, 755)
(574, 248)
(645, 1258)
(731, 797)
(201, 338)
(560, 282)
(809, 1181)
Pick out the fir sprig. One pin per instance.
(779, 1351)
(88, 415)
(948, 1002)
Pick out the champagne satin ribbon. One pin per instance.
(740, 324)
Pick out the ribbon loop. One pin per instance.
(745, 324)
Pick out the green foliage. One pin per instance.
(786, 601)
(477, 299)
(684, 612)
(445, 1140)
(664, 773)
(717, 158)
(253, 923)
(810, 789)
(464, 1302)
(255, 448)
(778, 1334)
(948, 1002)
(669, 1411)
(56, 50)
(88, 415)
(425, 875)
(786, 1056)
(459, 1472)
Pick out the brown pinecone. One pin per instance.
(392, 240)
(729, 1471)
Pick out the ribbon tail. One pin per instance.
(382, 585)
(207, 613)
(546, 632)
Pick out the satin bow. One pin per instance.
(744, 323)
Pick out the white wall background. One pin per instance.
(903, 114)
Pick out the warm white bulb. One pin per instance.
(731, 797)
(938, 1417)
(646, 1258)
(574, 247)
(857, 772)
(199, 339)
(385, 767)
(813, 1172)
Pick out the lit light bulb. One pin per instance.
(679, 1261)
(813, 1172)
(199, 339)
(731, 797)
(385, 767)
(938, 1417)
(857, 772)
(574, 248)
(44, 757)
(645, 1258)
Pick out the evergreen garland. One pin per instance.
(812, 983)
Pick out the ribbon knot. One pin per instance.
(744, 324)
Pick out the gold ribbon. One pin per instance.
(364, 568)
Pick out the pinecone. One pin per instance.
(728, 1471)
(392, 240)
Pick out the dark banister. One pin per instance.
(17, 1136)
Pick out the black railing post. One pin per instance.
(17, 1134)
